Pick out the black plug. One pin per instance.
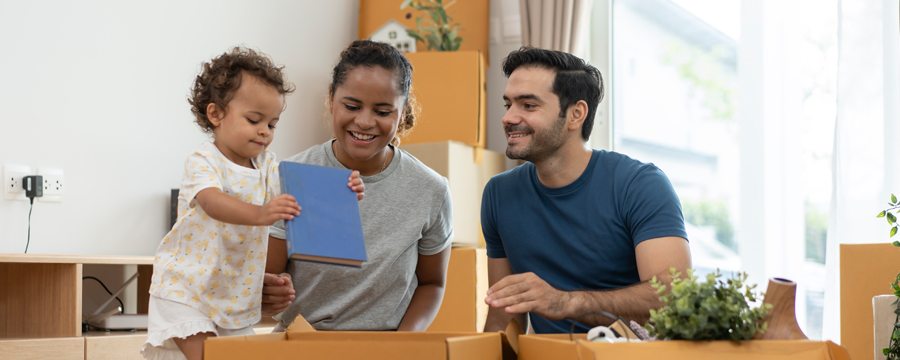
(34, 186)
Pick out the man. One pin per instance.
(575, 231)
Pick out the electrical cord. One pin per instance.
(28, 242)
(121, 305)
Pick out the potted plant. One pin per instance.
(893, 350)
(714, 310)
(436, 31)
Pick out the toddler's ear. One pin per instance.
(214, 114)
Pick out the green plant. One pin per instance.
(715, 310)
(436, 31)
(893, 350)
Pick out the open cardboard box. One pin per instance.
(301, 340)
(558, 346)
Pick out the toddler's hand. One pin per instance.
(281, 207)
(356, 184)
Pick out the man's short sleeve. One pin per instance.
(439, 235)
(200, 172)
(489, 223)
(653, 208)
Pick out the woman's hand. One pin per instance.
(281, 207)
(356, 184)
(278, 293)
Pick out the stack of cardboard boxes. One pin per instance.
(449, 137)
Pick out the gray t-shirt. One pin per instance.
(406, 212)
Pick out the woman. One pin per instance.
(406, 212)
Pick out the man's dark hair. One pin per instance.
(575, 79)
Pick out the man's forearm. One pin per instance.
(630, 303)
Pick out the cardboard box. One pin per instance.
(301, 340)
(474, 15)
(559, 346)
(463, 307)
(468, 170)
(867, 270)
(450, 89)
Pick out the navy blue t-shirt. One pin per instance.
(580, 236)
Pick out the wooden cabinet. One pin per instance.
(40, 308)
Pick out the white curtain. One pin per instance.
(866, 137)
(556, 24)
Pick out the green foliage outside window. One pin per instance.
(816, 233)
(711, 213)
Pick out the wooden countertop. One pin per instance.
(76, 259)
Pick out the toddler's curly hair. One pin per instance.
(221, 77)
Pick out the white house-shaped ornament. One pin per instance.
(395, 34)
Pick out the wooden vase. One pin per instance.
(782, 318)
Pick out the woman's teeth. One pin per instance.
(362, 136)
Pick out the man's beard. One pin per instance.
(542, 145)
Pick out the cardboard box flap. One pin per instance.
(482, 346)
(299, 325)
(837, 352)
(676, 350)
(258, 337)
(548, 346)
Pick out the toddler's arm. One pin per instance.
(233, 211)
(356, 184)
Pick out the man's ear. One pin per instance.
(214, 114)
(576, 115)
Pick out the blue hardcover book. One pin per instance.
(329, 229)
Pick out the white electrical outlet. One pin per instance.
(53, 184)
(12, 181)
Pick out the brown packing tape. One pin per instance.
(478, 155)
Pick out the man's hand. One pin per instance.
(281, 207)
(523, 293)
(356, 184)
(278, 293)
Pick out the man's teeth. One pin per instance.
(362, 136)
(517, 135)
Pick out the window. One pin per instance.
(735, 101)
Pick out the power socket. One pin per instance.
(53, 184)
(12, 181)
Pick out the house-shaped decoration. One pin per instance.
(395, 34)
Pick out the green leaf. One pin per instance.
(896, 243)
(443, 15)
(405, 4)
(891, 218)
(881, 214)
(415, 35)
(894, 232)
(893, 199)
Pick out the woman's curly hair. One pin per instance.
(370, 53)
(221, 77)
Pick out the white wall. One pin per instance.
(99, 90)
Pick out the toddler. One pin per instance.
(208, 271)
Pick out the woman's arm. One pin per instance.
(278, 290)
(431, 272)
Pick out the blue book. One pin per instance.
(329, 229)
